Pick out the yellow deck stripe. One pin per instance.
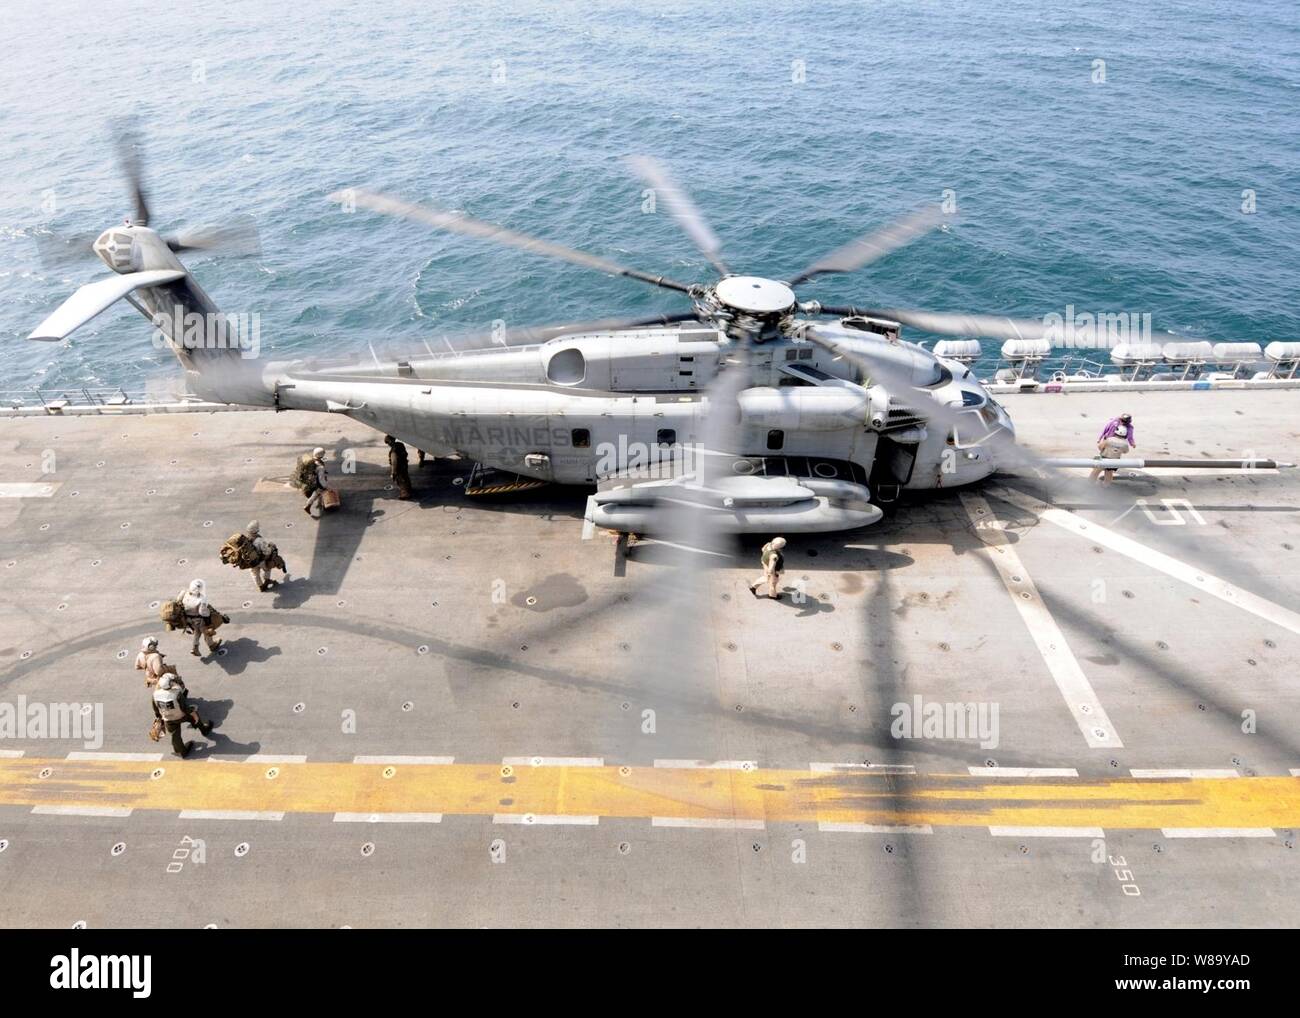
(949, 800)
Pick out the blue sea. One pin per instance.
(794, 126)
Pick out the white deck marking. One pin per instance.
(17, 489)
(11, 754)
(259, 758)
(1183, 772)
(114, 756)
(1218, 832)
(834, 827)
(388, 818)
(684, 547)
(1024, 772)
(1167, 564)
(1203, 471)
(553, 761)
(544, 819)
(1075, 688)
(403, 759)
(831, 768)
(710, 823)
(229, 814)
(1047, 832)
(83, 811)
(1295, 772)
(717, 765)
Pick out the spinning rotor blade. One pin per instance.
(237, 238)
(675, 663)
(456, 223)
(681, 208)
(946, 324)
(57, 251)
(126, 140)
(873, 246)
(1038, 469)
(478, 341)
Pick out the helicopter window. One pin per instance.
(775, 439)
(666, 436)
(581, 438)
(568, 367)
(806, 355)
(791, 354)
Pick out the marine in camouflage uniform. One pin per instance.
(398, 467)
(268, 556)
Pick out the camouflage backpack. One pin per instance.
(304, 474)
(239, 551)
(172, 614)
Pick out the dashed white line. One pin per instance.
(1047, 832)
(720, 765)
(261, 758)
(1183, 772)
(544, 819)
(713, 823)
(11, 754)
(410, 760)
(831, 768)
(1218, 832)
(835, 827)
(388, 818)
(83, 811)
(229, 814)
(1024, 772)
(1075, 688)
(553, 761)
(20, 489)
(142, 757)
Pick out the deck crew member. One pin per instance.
(773, 560)
(269, 556)
(398, 467)
(150, 661)
(198, 616)
(1115, 440)
(172, 707)
(318, 481)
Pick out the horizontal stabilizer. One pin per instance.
(95, 297)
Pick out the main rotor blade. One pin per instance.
(127, 143)
(681, 208)
(425, 358)
(873, 246)
(946, 324)
(457, 223)
(676, 667)
(1009, 453)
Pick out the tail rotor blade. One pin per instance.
(238, 238)
(127, 142)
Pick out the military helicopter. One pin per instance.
(750, 404)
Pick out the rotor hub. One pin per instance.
(753, 295)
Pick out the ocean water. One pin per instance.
(794, 126)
